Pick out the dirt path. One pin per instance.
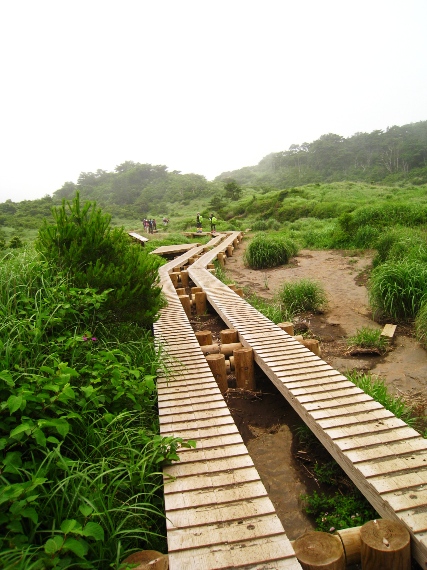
(343, 277)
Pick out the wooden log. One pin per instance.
(211, 348)
(175, 278)
(186, 303)
(184, 278)
(239, 292)
(195, 290)
(177, 269)
(312, 344)
(201, 302)
(210, 266)
(244, 368)
(235, 242)
(180, 291)
(232, 286)
(319, 550)
(231, 359)
(229, 250)
(204, 337)
(147, 560)
(350, 539)
(229, 335)
(385, 545)
(299, 338)
(287, 327)
(217, 365)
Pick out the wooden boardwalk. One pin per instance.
(219, 515)
(385, 458)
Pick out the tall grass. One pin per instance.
(302, 296)
(398, 290)
(269, 251)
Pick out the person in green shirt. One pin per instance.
(212, 220)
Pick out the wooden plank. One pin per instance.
(213, 465)
(213, 480)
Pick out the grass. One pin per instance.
(377, 389)
(269, 251)
(398, 289)
(368, 338)
(301, 296)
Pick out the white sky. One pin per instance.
(201, 86)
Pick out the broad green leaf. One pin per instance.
(86, 510)
(79, 547)
(47, 369)
(40, 437)
(7, 377)
(12, 462)
(68, 525)
(20, 429)
(14, 403)
(30, 513)
(94, 530)
(3, 443)
(53, 544)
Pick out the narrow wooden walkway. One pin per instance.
(385, 458)
(218, 512)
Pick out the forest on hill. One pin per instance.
(395, 157)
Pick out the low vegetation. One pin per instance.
(269, 251)
(303, 295)
(368, 338)
(80, 453)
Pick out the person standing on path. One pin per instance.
(212, 220)
(199, 220)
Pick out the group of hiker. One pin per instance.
(150, 225)
(199, 219)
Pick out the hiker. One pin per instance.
(199, 220)
(150, 226)
(154, 225)
(165, 221)
(212, 220)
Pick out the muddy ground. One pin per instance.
(265, 420)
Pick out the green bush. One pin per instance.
(397, 290)
(302, 296)
(82, 243)
(266, 251)
(421, 325)
(368, 338)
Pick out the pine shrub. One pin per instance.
(82, 243)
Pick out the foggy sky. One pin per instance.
(197, 85)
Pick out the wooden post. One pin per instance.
(229, 335)
(244, 368)
(235, 242)
(239, 292)
(147, 560)
(180, 291)
(385, 545)
(195, 290)
(204, 337)
(287, 327)
(221, 259)
(201, 303)
(186, 303)
(312, 344)
(229, 250)
(174, 278)
(232, 286)
(231, 359)
(177, 269)
(350, 538)
(184, 278)
(217, 365)
(319, 550)
(210, 266)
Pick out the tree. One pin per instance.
(232, 190)
(82, 244)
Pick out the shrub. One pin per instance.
(398, 289)
(266, 251)
(303, 295)
(421, 325)
(82, 242)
